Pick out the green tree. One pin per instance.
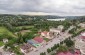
(69, 43)
(48, 50)
(20, 38)
(62, 48)
(43, 53)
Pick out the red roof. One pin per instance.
(77, 52)
(38, 39)
(83, 37)
(64, 53)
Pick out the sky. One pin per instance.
(43, 7)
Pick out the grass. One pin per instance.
(79, 30)
(46, 39)
(20, 27)
(4, 30)
(1, 43)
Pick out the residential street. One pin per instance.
(56, 40)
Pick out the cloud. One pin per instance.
(54, 7)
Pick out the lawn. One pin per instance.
(20, 27)
(46, 39)
(1, 43)
(3, 30)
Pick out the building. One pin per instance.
(80, 43)
(8, 53)
(55, 31)
(60, 27)
(59, 19)
(46, 34)
(26, 47)
(82, 25)
(39, 40)
(5, 40)
(33, 42)
(76, 52)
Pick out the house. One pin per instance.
(5, 40)
(39, 40)
(55, 31)
(33, 42)
(80, 43)
(8, 53)
(60, 27)
(26, 47)
(82, 25)
(76, 52)
(45, 34)
(83, 34)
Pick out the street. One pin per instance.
(50, 44)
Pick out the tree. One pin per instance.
(55, 46)
(48, 50)
(20, 38)
(52, 48)
(62, 48)
(43, 53)
(72, 31)
(69, 43)
(28, 36)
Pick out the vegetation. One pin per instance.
(6, 32)
(69, 43)
(11, 24)
(62, 48)
(43, 53)
(1, 43)
(48, 50)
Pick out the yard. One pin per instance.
(3, 31)
(20, 27)
(1, 43)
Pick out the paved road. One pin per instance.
(56, 40)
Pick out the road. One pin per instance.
(54, 41)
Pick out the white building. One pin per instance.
(80, 43)
(60, 27)
(55, 30)
(5, 40)
(83, 34)
(82, 25)
(59, 19)
(25, 48)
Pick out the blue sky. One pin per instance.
(43, 7)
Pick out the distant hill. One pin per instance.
(41, 16)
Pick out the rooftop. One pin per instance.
(26, 46)
(45, 32)
(83, 33)
(38, 39)
(77, 52)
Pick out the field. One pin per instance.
(20, 27)
(3, 30)
(1, 43)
